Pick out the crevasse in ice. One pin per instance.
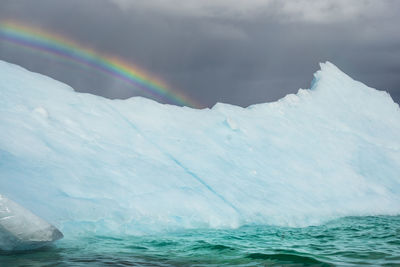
(90, 164)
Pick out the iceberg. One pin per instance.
(87, 164)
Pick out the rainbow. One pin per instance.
(60, 46)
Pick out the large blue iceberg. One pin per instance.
(89, 164)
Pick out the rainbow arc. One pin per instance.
(60, 46)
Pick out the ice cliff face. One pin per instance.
(134, 166)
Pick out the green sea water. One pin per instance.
(351, 241)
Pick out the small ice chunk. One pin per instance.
(20, 229)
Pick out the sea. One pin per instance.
(349, 241)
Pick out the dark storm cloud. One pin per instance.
(240, 52)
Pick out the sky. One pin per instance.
(236, 52)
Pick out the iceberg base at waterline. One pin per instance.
(20, 229)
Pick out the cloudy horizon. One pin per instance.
(237, 52)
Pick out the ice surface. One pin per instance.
(90, 164)
(20, 229)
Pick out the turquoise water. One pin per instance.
(350, 241)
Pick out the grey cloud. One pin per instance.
(322, 11)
